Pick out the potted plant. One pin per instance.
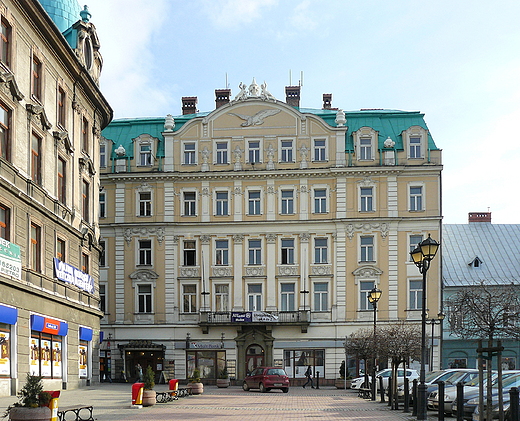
(149, 395)
(195, 386)
(344, 379)
(33, 402)
(223, 378)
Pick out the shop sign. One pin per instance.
(253, 316)
(205, 345)
(10, 260)
(67, 273)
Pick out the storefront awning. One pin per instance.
(8, 315)
(48, 325)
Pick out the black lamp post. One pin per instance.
(373, 297)
(422, 255)
(433, 322)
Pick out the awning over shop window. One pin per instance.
(85, 334)
(47, 325)
(8, 315)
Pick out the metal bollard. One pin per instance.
(390, 394)
(440, 398)
(317, 379)
(414, 397)
(460, 399)
(406, 386)
(513, 395)
(382, 389)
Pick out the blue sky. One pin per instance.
(458, 62)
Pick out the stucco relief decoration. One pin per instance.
(204, 238)
(255, 271)
(367, 227)
(270, 156)
(189, 272)
(367, 272)
(254, 91)
(238, 238)
(237, 154)
(222, 271)
(145, 187)
(271, 190)
(120, 151)
(237, 191)
(205, 191)
(304, 237)
(271, 238)
(285, 270)
(145, 275)
(256, 119)
(389, 143)
(321, 270)
(366, 182)
(303, 189)
(143, 231)
(175, 239)
(10, 86)
(304, 153)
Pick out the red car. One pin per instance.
(267, 378)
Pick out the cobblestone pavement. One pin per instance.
(112, 402)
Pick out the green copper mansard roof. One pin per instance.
(388, 123)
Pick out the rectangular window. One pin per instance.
(416, 198)
(255, 252)
(365, 148)
(190, 253)
(5, 43)
(320, 150)
(364, 288)
(145, 252)
(189, 154)
(415, 295)
(102, 254)
(254, 152)
(287, 297)
(60, 249)
(85, 141)
(145, 154)
(145, 204)
(189, 296)
(102, 298)
(36, 158)
(414, 242)
(321, 296)
(189, 203)
(46, 355)
(5, 126)
(221, 253)
(62, 180)
(287, 202)
(85, 263)
(320, 250)
(286, 154)
(102, 155)
(62, 97)
(320, 201)
(367, 199)
(222, 203)
(222, 153)
(254, 297)
(288, 251)
(102, 205)
(36, 79)
(86, 200)
(367, 249)
(254, 203)
(222, 297)
(5, 214)
(415, 147)
(144, 298)
(36, 233)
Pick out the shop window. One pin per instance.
(5, 132)
(210, 363)
(83, 359)
(5, 350)
(296, 361)
(46, 355)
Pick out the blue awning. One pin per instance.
(8, 315)
(85, 334)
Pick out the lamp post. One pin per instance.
(433, 322)
(422, 255)
(373, 297)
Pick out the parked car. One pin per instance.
(431, 378)
(267, 378)
(385, 374)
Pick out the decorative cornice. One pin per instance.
(10, 82)
(367, 272)
(130, 232)
(37, 111)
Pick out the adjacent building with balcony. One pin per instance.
(251, 235)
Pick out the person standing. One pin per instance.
(139, 372)
(308, 374)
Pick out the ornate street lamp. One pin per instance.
(373, 297)
(433, 322)
(422, 255)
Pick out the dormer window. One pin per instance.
(475, 263)
(365, 143)
(145, 154)
(415, 147)
(365, 149)
(416, 140)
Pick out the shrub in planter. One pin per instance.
(223, 378)
(195, 385)
(149, 395)
(32, 402)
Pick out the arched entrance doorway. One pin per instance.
(255, 357)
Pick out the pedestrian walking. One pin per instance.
(308, 374)
(139, 372)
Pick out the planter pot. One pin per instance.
(196, 388)
(222, 382)
(33, 414)
(340, 383)
(149, 398)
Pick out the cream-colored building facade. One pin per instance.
(51, 116)
(252, 234)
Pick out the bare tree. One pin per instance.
(360, 345)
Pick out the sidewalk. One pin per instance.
(112, 402)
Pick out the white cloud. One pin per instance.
(233, 14)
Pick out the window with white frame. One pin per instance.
(415, 239)
(221, 297)
(321, 296)
(222, 153)
(253, 151)
(287, 251)
(190, 253)
(189, 298)
(145, 154)
(145, 252)
(364, 289)
(287, 296)
(144, 298)
(102, 204)
(103, 298)
(254, 202)
(222, 203)
(102, 155)
(414, 143)
(415, 295)
(320, 200)
(254, 297)
(365, 149)
(221, 253)
(145, 203)
(366, 199)
(189, 203)
(416, 198)
(320, 250)
(255, 252)
(189, 154)
(320, 150)
(367, 248)
(287, 202)
(286, 151)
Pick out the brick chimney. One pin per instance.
(189, 105)
(222, 97)
(292, 95)
(327, 101)
(479, 217)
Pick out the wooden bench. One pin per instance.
(365, 393)
(79, 413)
